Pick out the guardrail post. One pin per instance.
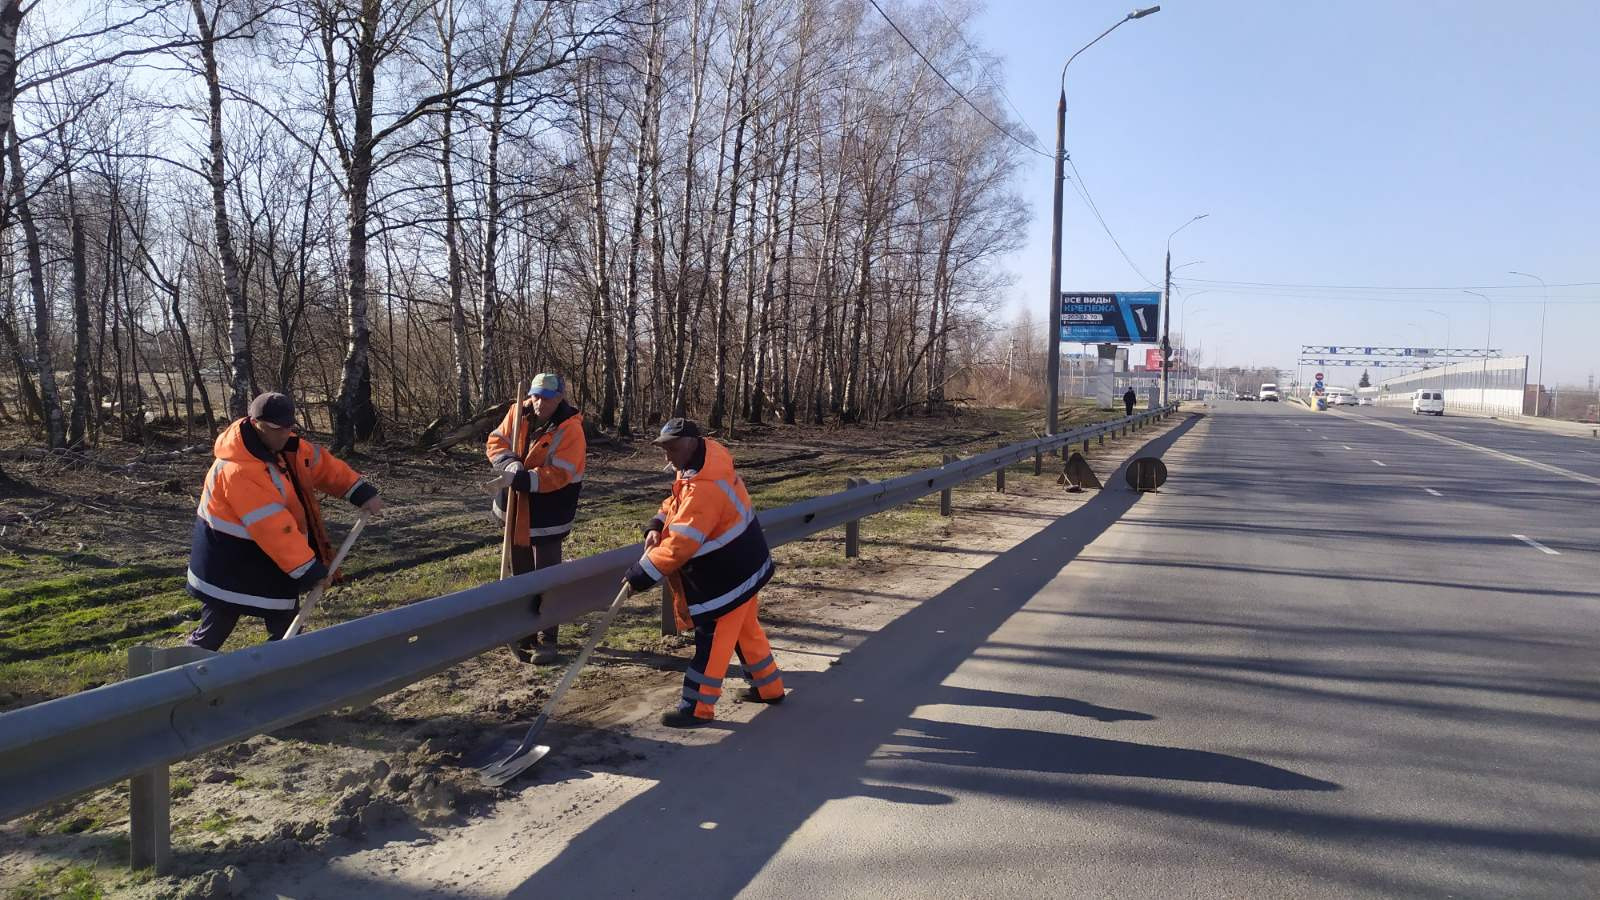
(1038, 462)
(852, 528)
(150, 791)
(1102, 439)
(944, 495)
(1000, 475)
(1085, 446)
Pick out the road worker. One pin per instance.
(707, 544)
(1128, 400)
(544, 463)
(259, 540)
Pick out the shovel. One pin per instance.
(312, 598)
(529, 752)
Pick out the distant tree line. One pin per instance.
(742, 210)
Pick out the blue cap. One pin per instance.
(547, 384)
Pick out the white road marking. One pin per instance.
(1536, 545)
(1433, 492)
(1381, 463)
(1346, 446)
(1543, 467)
(1325, 437)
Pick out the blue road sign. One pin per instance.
(1111, 318)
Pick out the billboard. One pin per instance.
(1117, 318)
(1152, 358)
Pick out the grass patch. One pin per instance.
(217, 823)
(70, 882)
(182, 787)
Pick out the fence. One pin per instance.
(54, 750)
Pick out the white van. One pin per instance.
(1430, 402)
(1269, 391)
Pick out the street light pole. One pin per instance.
(1446, 317)
(1488, 342)
(1053, 316)
(1166, 308)
(1544, 309)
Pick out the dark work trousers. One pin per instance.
(217, 620)
(541, 555)
(1129, 405)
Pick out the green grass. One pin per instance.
(70, 882)
(66, 627)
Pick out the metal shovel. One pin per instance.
(310, 606)
(529, 752)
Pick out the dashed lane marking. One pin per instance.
(1536, 545)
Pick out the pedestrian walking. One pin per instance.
(707, 544)
(259, 540)
(1128, 400)
(540, 454)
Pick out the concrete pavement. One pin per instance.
(1329, 659)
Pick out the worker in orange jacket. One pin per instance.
(259, 541)
(707, 543)
(544, 462)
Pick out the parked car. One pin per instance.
(1428, 403)
(1365, 401)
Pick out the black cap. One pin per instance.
(274, 409)
(677, 428)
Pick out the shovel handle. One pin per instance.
(313, 598)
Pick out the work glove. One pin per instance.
(514, 466)
(499, 482)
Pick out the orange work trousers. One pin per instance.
(714, 646)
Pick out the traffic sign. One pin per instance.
(1319, 376)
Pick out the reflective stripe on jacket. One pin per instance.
(553, 469)
(710, 538)
(258, 540)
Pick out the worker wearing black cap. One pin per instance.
(259, 541)
(707, 542)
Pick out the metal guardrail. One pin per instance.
(63, 747)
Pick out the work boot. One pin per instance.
(683, 718)
(520, 652)
(751, 695)
(546, 655)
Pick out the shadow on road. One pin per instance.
(740, 801)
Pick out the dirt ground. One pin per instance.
(388, 792)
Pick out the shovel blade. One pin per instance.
(506, 770)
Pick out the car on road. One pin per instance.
(1269, 391)
(1427, 402)
(1245, 397)
(1365, 401)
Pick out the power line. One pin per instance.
(1083, 193)
(929, 63)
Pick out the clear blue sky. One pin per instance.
(1428, 144)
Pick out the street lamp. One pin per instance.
(1190, 351)
(1488, 340)
(1166, 345)
(1053, 317)
(1446, 317)
(1539, 398)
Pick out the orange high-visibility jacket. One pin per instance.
(258, 534)
(552, 476)
(710, 539)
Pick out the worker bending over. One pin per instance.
(707, 543)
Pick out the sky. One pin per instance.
(1382, 145)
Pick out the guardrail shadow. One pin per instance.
(719, 814)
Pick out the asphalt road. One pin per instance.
(1332, 658)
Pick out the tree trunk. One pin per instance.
(354, 415)
(81, 399)
(240, 363)
(43, 360)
